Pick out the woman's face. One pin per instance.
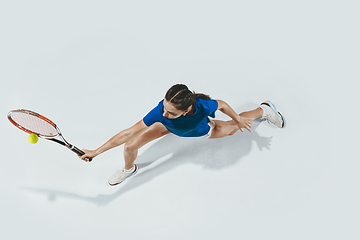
(171, 112)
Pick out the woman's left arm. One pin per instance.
(242, 122)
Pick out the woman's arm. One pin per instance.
(240, 121)
(117, 140)
(226, 109)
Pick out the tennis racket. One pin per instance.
(32, 122)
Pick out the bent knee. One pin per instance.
(221, 131)
(130, 147)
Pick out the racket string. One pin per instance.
(34, 124)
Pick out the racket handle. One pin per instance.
(79, 152)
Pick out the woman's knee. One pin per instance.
(130, 147)
(228, 130)
(223, 129)
(147, 136)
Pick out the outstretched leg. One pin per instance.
(131, 147)
(258, 112)
(226, 128)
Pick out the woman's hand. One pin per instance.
(241, 122)
(245, 123)
(88, 154)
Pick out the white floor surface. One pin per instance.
(97, 67)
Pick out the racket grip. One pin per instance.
(79, 152)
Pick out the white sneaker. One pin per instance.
(121, 175)
(272, 115)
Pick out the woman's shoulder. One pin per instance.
(208, 105)
(206, 102)
(158, 108)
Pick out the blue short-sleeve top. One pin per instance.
(195, 125)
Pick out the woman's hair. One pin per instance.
(182, 97)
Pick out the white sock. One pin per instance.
(263, 108)
(131, 169)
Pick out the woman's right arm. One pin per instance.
(117, 140)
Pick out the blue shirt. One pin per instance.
(195, 125)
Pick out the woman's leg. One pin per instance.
(226, 128)
(258, 112)
(131, 147)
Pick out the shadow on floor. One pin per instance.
(170, 152)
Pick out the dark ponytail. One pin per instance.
(182, 97)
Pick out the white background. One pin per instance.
(97, 67)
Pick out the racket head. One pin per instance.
(32, 122)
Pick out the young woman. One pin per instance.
(185, 114)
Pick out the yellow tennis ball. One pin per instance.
(33, 138)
